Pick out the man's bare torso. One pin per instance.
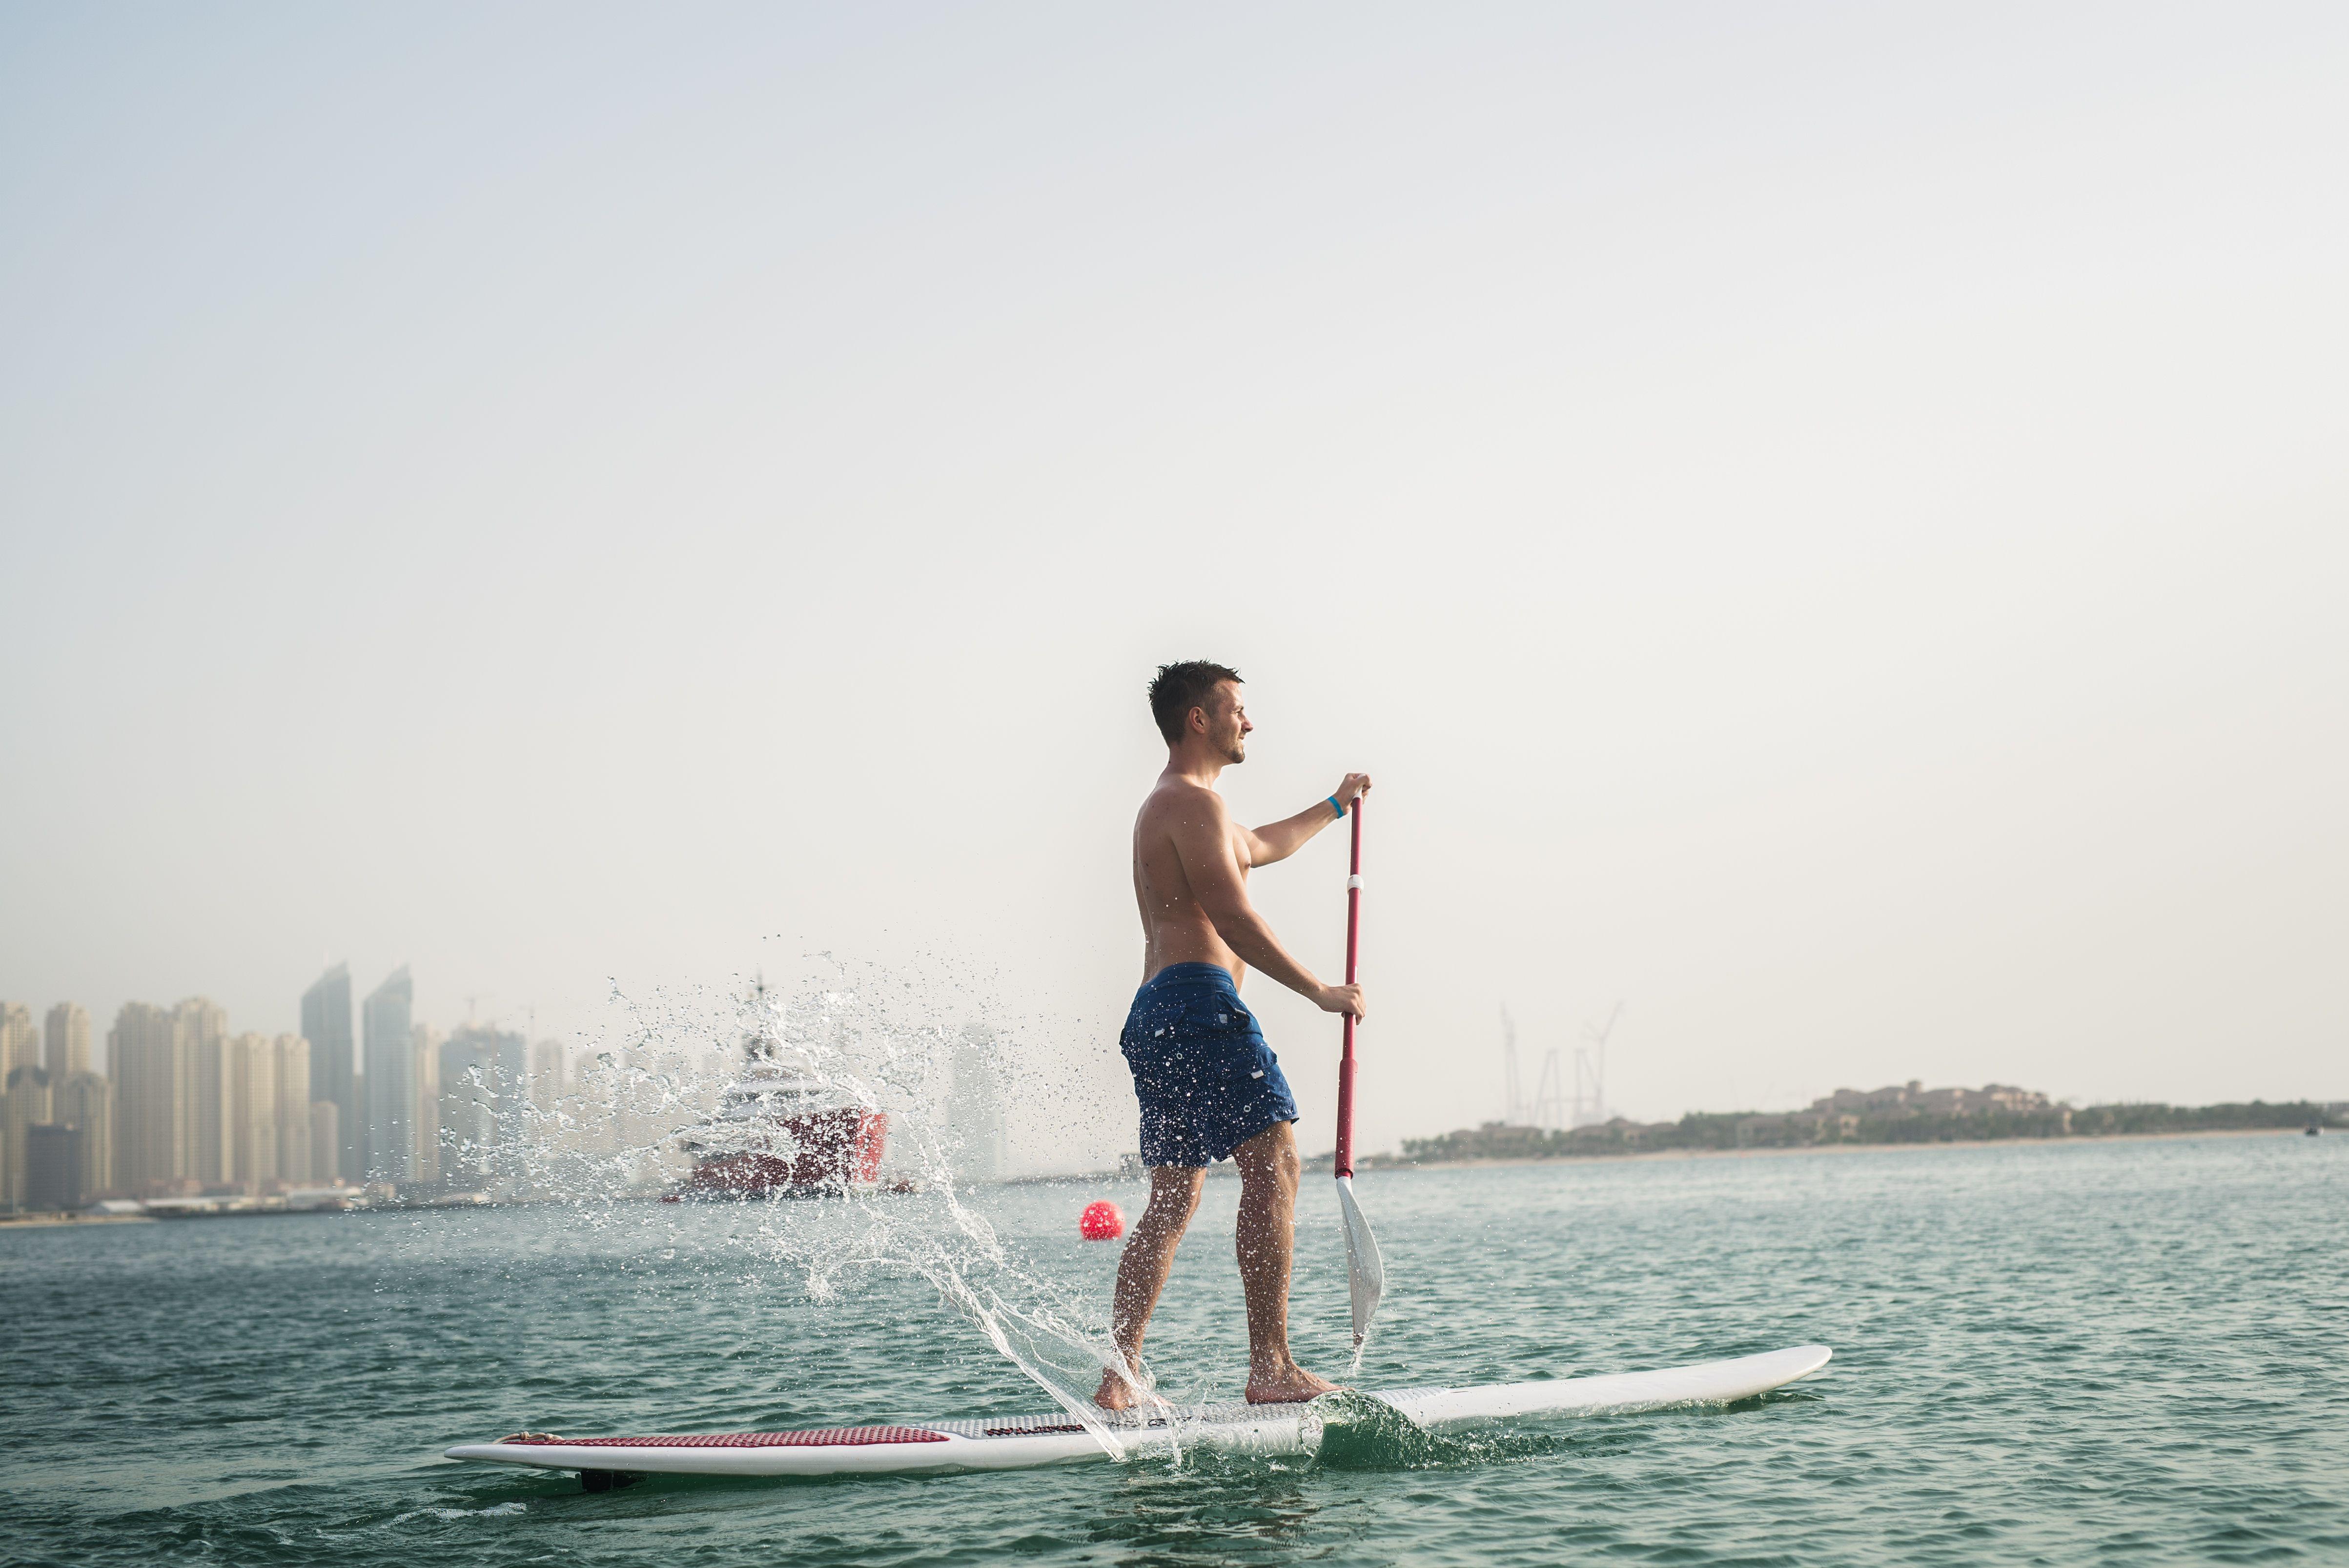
(1175, 928)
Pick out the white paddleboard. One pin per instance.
(1023, 1442)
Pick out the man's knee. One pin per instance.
(1173, 1198)
(1270, 1156)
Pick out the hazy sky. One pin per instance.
(1828, 524)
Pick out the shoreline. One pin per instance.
(2077, 1139)
(1319, 1164)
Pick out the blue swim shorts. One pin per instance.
(1207, 1081)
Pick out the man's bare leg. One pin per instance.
(1267, 1239)
(1142, 1272)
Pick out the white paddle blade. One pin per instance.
(1366, 1272)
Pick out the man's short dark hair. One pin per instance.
(1181, 687)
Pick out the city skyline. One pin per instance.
(67, 1025)
(180, 1102)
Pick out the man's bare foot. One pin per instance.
(1123, 1393)
(1116, 1392)
(1286, 1385)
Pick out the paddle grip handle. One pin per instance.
(1345, 1160)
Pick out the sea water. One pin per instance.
(2115, 1352)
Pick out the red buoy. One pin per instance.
(1101, 1221)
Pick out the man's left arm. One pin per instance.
(1279, 841)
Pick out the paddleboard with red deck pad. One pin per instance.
(1025, 1442)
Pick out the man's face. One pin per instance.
(1227, 722)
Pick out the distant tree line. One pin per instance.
(2230, 1117)
(1807, 1128)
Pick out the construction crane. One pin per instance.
(1590, 1072)
(1549, 1099)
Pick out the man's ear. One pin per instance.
(1199, 721)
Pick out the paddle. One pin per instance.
(1366, 1274)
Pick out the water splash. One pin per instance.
(856, 1037)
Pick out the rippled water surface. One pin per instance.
(2115, 1352)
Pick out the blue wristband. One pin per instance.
(1336, 808)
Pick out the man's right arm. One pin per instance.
(1203, 838)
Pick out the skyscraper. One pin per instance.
(549, 1073)
(24, 1107)
(69, 1041)
(17, 1042)
(212, 1138)
(154, 1079)
(483, 1081)
(425, 1047)
(17, 1053)
(387, 1028)
(87, 1102)
(253, 1115)
(326, 1139)
(974, 1107)
(334, 1076)
(53, 1168)
(289, 1097)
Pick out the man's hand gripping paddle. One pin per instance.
(1366, 1272)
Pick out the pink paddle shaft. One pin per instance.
(1346, 1055)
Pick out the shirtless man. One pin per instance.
(1210, 1087)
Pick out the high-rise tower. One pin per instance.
(550, 1071)
(212, 1102)
(333, 1074)
(975, 1106)
(67, 1032)
(483, 1082)
(425, 1047)
(289, 1093)
(86, 1102)
(387, 1031)
(253, 1117)
(154, 1079)
(19, 1046)
(24, 1106)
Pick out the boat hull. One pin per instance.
(816, 1152)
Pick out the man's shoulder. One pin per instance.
(1179, 800)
